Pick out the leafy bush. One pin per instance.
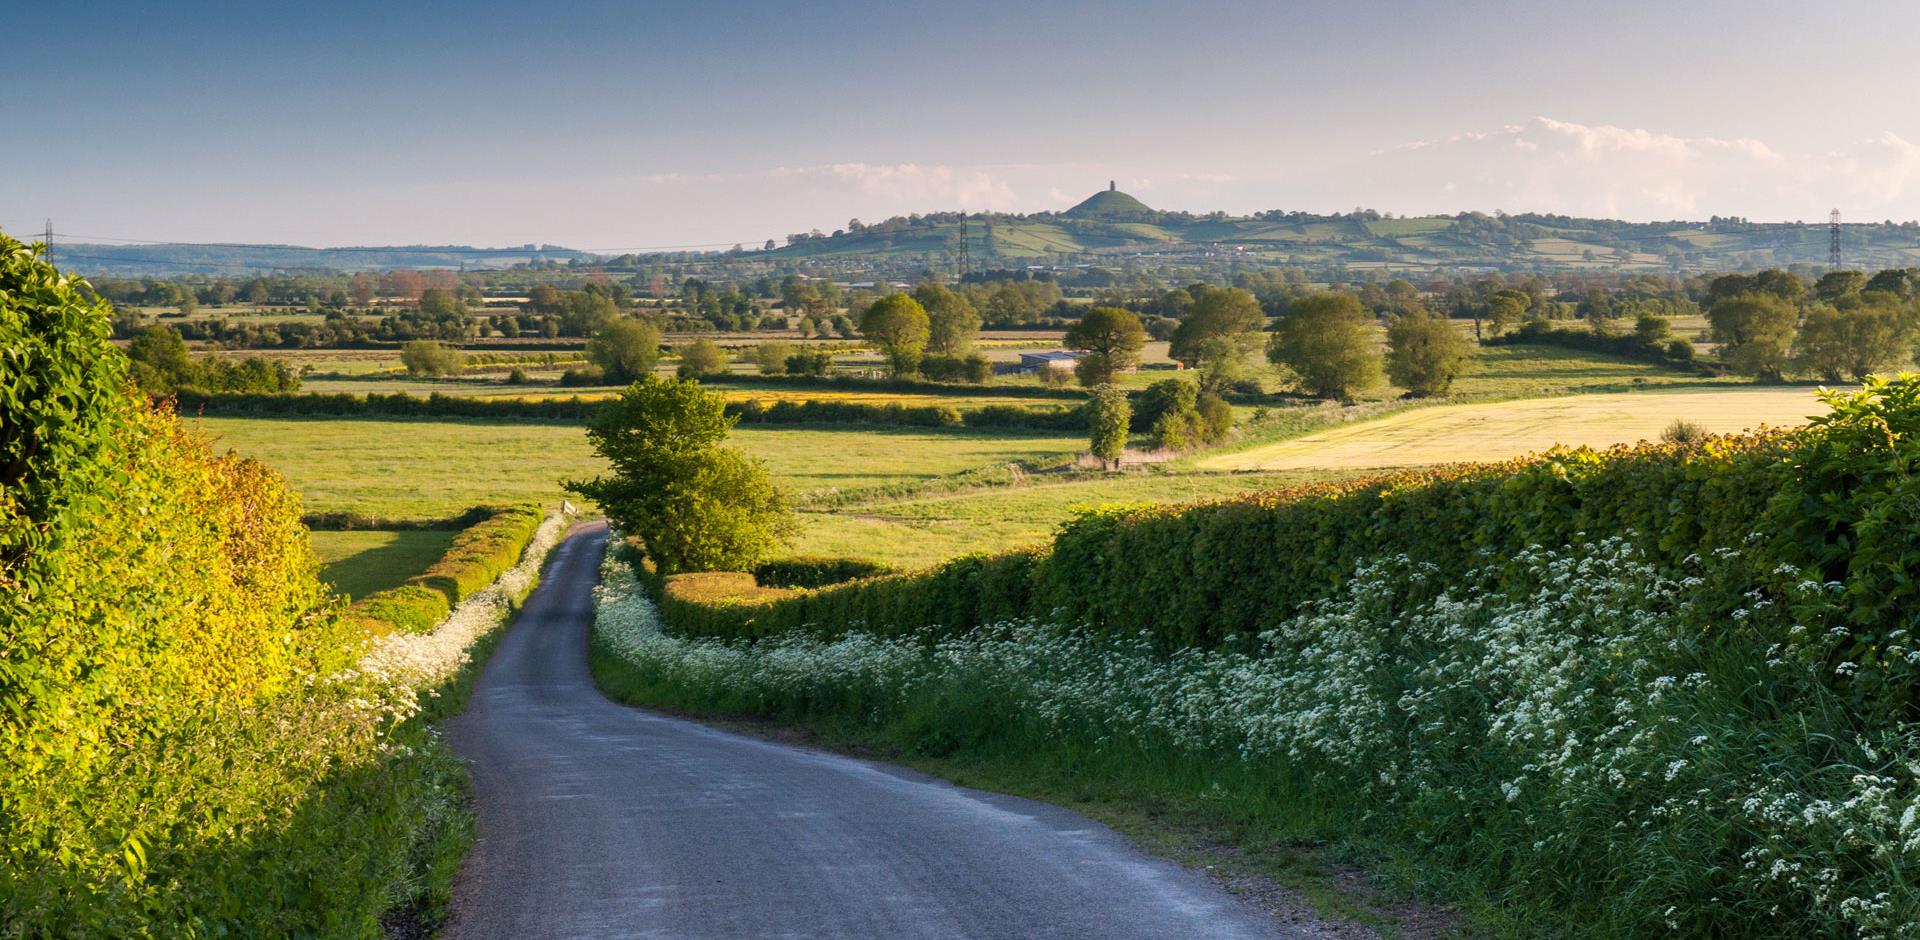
(182, 750)
(428, 357)
(1635, 345)
(1682, 431)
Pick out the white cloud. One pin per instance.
(1549, 165)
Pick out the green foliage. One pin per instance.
(1424, 353)
(771, 357)
(1222, 326)
(1325, 339)
(160, 364)
(810, 362)
(701, 358)
(975, 369)
(430, 357)
(625, 349)
(1755, 332)
(694, 504)
(1855, 341)
(168, 765)
(898, 326)
(1182, 417)
(1111, 337)
(952, 320)
(1108, 416)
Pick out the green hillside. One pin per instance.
(1111, 226)
(1109, 204)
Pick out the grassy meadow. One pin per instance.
(359, 563)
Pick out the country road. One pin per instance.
(599, 820)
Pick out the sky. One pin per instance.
(632, 126)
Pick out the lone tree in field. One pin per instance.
(695, 504)
(1108, 416)
(1325, 340)
(1219, 330)
(1111, 337)
(1755, 332)
(897, 325)
(701, 358)
(1424, 353)
(952, 322)
(426, 357)
(1857, 340)
(625, 349)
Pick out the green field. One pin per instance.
(917, 531)
(361, 562)
(421, 469)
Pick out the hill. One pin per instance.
(1113, 227)
(1109, 203)
(170, 259)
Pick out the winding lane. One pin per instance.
(600, 820)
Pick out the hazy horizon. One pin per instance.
(608, 127)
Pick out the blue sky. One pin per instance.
(610, 125)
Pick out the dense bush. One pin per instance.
(478, 555)
(1637, 345)
(182, 752)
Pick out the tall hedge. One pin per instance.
(169, 765)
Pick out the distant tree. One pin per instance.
(1903, 283)
(1424, 353)
(1755, 332)
(440, 303)
(810, 362)
(1111, 337)
(1505, 310)
(952, 321)
(585, 312)
(1835, 286)
(360, 290)
(625, 349)
(161, 362)
(771, 356)
(428, 357)
(1222, 325)
(1108, 417)
(1652, 329)
(1856, 341)
(701, 358)
(694, 504)
(897, 325)
(1325, 339)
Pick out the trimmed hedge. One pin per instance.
(1826, 503)
(438, 405)
(478, 555)
(812, 571)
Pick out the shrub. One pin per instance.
(810, 362)
(1424, 353)
(429, 357)
(701, 358)
(1108, 414)
(1682, 431)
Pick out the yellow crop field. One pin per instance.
(1499, 430)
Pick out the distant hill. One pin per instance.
(1109, 204)
(238, 259)
(1111, 227)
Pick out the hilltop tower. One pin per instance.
(1113, 186)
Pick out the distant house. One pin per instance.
(1057, 359)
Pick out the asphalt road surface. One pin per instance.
(599, 820)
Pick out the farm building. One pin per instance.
(1057, 359)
